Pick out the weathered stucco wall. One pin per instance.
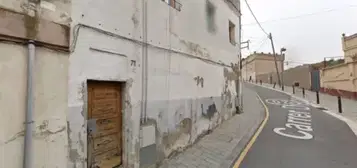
(349, 46)
(340, 77)
(300, 74)
(50, 138)
(263, 66)
(190, 82)
(248, 71)
(89, 63)
(50, 106)
(58, 11)
(259, 64)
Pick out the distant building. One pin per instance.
(260, 63)
(301, 76)
(349, 46)
(341, 79)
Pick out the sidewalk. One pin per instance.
(221, 148)
(349, 107)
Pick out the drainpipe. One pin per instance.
(240, 81)
(144, 67)
(27, 159)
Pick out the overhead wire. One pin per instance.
(255, 18)
(300, 16)
(262, 43)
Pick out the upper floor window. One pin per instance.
(232, 33)
(174, 3)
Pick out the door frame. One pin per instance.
(122, 85)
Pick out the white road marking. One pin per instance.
(352, 124)
(298, 125)
(305, 135)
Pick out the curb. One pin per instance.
(349, 122)
(238, 149)
(254, 137)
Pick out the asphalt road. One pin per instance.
(300, 136)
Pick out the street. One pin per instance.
(298, 135)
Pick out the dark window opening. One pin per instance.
(232, 34)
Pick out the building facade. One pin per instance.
(148, 77)
(33, 89)
(300, 75)
(349, 47)
(258, 64)
(342, 79)
(125, 82)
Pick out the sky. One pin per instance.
(309, 29)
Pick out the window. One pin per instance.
(174, 3)
(232, 33)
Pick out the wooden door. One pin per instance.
(104, 124)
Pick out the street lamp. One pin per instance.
(282, 50)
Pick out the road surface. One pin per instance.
(297, 135)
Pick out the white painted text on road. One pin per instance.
(298, 123)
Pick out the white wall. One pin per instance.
(50, 94)
(50, 107)
(180, 50)
(85, 64)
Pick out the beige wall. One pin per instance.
(266, 66)
(54, 10)
(259, 64)
(248, 70)
(341, 77)
(300, 74)
(349, 45)
(50, 106)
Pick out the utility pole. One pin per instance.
(276, 64)
(282, 72)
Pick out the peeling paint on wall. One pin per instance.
(210, 111)
(230, 75)
(177, 140)
(196, 49)
(41, 132)
(135, 15)
(180, 113)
